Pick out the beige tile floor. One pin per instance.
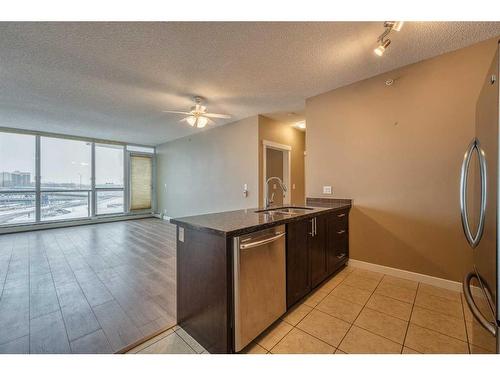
(359, 311)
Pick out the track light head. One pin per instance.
(379, 51)
(383, 40)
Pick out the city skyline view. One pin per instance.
(65, 168)
(63, 161)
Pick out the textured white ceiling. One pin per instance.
(112, 80)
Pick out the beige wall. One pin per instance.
(206, 172)
(397, 152)
(271, 130)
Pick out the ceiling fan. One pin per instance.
(198, 115)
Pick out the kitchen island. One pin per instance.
(316, 247)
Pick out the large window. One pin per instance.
(66, 183)
(47, 178)
(109, 181)
(17, 178)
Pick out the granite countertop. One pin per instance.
(239, 222)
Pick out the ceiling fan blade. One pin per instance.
(216, 115)
(178, 112)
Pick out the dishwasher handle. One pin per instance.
(262, 242)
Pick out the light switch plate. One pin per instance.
(327, 190)
(181, 234)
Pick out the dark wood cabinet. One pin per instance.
(316, 248)
(297, 261)
(316, 244)
(337, 243)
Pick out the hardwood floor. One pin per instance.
(87, 289)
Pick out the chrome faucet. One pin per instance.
(269, 201)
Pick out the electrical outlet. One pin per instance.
(327, 190)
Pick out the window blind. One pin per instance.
(141, 168)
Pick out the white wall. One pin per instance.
(206, 172)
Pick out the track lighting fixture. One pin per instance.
(383, 40)
(379, 51)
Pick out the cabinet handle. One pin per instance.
(340, 215)
(341, 231)
(315, 227)
(312, 228)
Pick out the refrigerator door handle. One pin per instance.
(473, 240)
(489, 326)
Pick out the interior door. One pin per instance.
(482, 232)
(274, 168)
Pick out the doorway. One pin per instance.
(277, 163)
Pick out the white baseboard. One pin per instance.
(164, 217)
(419, 277)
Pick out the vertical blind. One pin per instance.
(141, 172)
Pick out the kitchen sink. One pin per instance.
(285, 210)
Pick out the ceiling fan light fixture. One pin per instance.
(198, 116)
(202, 122)
(191, 120)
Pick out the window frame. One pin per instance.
(94, 216)
(27, 191)
(44, 190)
(95, 189)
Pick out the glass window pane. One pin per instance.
(17, 208)
(17, 162)
(140, 182)
(109, 202)
(146, 150)
(66, 205)
(65, 164)
(108, 166)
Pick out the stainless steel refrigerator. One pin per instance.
(479, 199)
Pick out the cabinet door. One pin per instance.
(317, 251)
(297, 261)
(337, 240)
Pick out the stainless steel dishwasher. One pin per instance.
(259, 283)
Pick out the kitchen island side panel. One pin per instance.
(204, 289)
